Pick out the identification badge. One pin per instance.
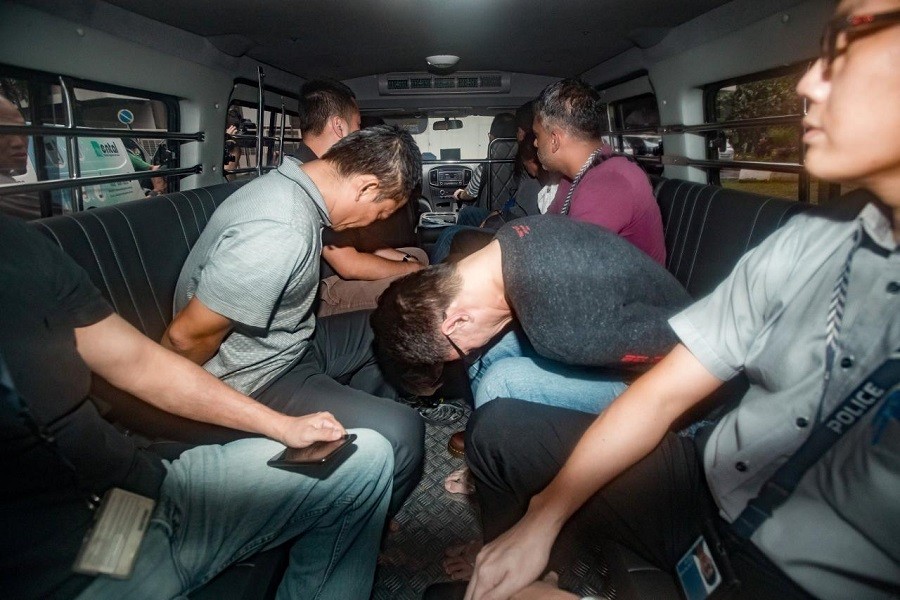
(111, 545)
(704, 572)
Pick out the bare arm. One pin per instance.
(196, 332)
(623, 434)
(350, 263)
(115, 350)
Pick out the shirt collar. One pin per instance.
(877, 226)
(290, 168)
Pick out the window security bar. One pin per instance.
(260, 111)
(463, 161)
(670, 159)
(77, 132)
(70, 183)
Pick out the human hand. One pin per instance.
(458, 194)
(159, 183)
(511, 562)
(300, 432)
(231, 130)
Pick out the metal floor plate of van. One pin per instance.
(431, 520)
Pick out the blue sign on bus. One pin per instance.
(126, 117)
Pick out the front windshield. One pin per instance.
(469, 142)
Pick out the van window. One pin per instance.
(636, 130)
(761, 116)
(242, 126)
(40, 100)
(466, 137)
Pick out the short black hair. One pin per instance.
(525, 116)
(385, 151)
(573, 105)
(504, 125)
(321, 99)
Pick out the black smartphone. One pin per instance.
(317, 453)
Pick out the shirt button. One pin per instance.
(802, 422)
(893, 287)
(846, 362)
(741, 466)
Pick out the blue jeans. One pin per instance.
(220, 504)
(512, 369)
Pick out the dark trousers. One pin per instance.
(339, 374)
(657, 508)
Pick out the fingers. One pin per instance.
(329, 427)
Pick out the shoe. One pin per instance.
(457, 444)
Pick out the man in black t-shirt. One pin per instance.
(214, 505)
(575, 295)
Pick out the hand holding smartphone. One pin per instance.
(317, 454)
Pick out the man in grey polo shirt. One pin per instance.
(629, 479)
(244, 303)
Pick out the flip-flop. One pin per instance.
(459, 482)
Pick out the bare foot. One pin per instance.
(459, 482)
(459, 561)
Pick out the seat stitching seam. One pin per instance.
(96, 260)
(143, 264)
(115, 253)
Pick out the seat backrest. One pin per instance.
(708, 228)
(134, 251)
(500, 180)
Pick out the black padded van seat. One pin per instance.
(133, 252)
(708, 228)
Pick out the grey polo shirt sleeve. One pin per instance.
(248, 269)
(721, 328)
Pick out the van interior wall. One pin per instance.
(93, 40)
(727, 42)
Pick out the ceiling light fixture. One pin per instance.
(442, 61)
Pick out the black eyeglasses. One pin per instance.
(462, 355)
(854, 26)
(468, 357)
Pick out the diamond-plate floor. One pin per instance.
(431, 520)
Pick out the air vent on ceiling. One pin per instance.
(458, 83)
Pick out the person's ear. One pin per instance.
(367, 187)
(454, 322)
(339, 127)
(555, 139)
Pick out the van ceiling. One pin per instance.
(344, 39)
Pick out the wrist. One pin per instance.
(545, 515)
(278, 428)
